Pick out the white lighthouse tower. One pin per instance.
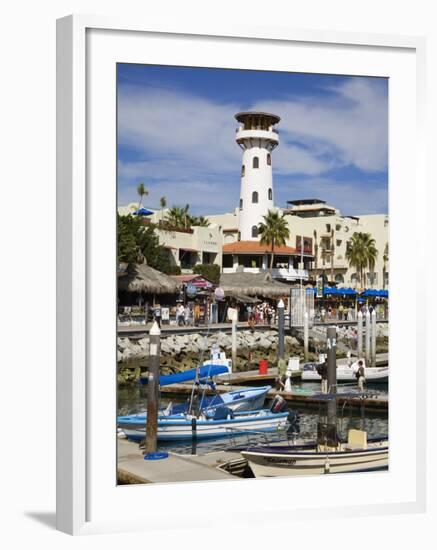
(257, 137)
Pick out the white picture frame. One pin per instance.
(76, 234)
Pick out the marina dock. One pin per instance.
(132, 468)
(139, 331)
(371, 400)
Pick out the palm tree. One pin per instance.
(186, 215)
(316, 251)
(142, 192)
(332, 255)
(180, 217)
(274, 231)
(199, 220)
(176, 216)
(362, 253)
(384, 267)
(163, 204)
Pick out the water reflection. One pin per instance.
(134, 398)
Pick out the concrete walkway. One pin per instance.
(132, 468)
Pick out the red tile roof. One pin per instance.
(190, 277)
(255, 247)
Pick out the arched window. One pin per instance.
(270, 194)
(255, 197)
(269, 159)
(241, 204)
(254, 232)
(339, 278)
(243, 170)
(255, 162)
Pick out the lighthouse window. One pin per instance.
(269, 159)
(243, 169)
(254, 232)
(255, 163)
(241, 204)
(255, 197)
(270, 194)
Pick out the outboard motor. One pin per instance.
(278, 405)
(223, 413)
(294, 419)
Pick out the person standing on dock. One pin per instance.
(322, 371)
(361, 377)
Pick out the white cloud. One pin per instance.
(349, 128)
(185, 149)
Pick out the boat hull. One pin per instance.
(182, 429)
(299, 463)
(250, 399)
(373, 375)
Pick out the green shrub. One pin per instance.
(209, 271)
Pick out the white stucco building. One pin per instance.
(319, 232)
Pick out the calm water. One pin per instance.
(134, 399)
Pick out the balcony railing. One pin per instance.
(290, 274)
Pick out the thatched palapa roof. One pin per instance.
(143, 278)
(252, 284)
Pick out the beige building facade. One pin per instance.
(321, 228)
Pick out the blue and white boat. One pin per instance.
(200, 374)
(247, 399)
(223, 423)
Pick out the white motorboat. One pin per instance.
(347, 373)
(218, 358)
(189, 427)
(356, 455)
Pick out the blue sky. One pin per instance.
(176, 133)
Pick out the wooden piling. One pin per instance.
(373, 338)
(234, 342)
(281, 329)
(153, 389)
(331, 346)
(368, 331)
(360, 335)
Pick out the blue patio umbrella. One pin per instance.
(329, 290)
(370, 292)
(142, 212)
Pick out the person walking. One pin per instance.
(187, 315)
(269, 315)
(196, 314)
(249, 312)
(323, 314)
(157, 315)
(361, 376)
(322, 371)
(180, 315)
